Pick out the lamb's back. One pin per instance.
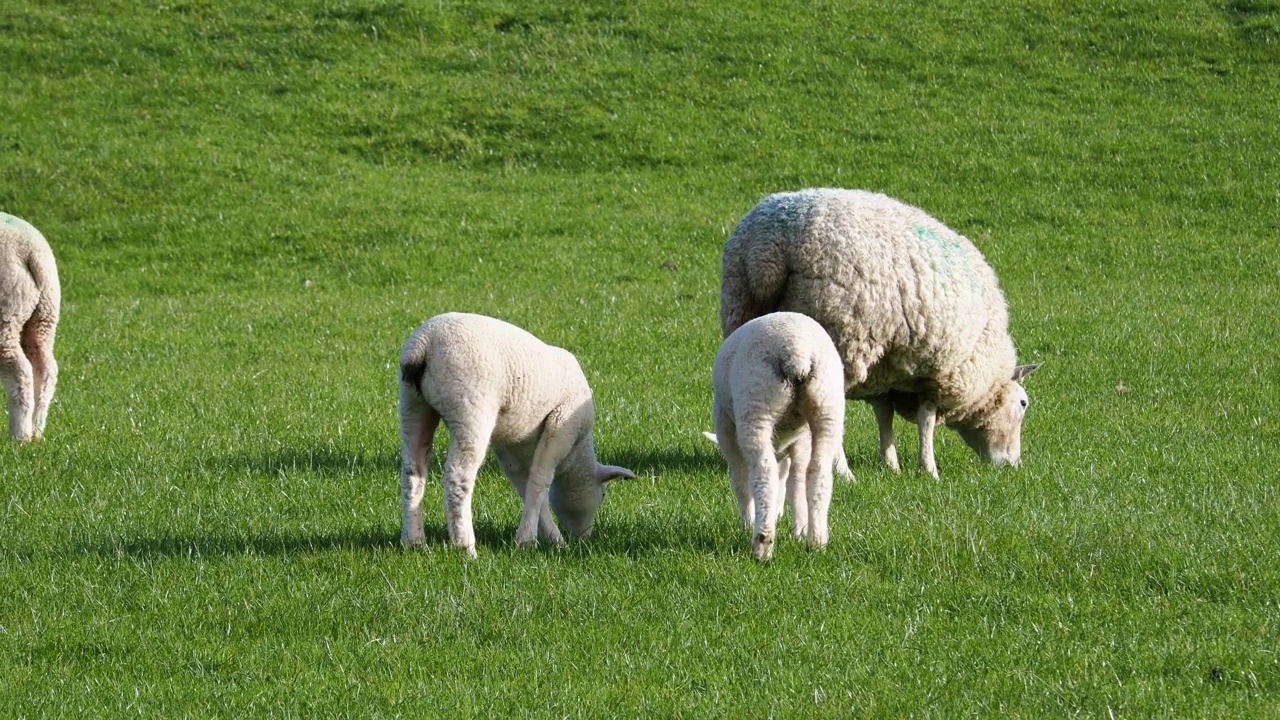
(475, 362)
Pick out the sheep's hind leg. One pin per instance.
(927, 418)
(883, 408)
(15, 374)
(826, 445)
(37, 345)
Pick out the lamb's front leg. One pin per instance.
(727, 440)
(927, 418)
(553, 446)
(515, 463)
(548, 531)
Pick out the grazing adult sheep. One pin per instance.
(779, 413)
(30, 296)
(915, 311)
(494, 383)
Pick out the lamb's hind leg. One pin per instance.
(796, 467)
(37, 345)
(467, 444)
(16, 375)
(762, 472)
(418, 423)
(827, 432)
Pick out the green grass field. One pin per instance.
(253, 205)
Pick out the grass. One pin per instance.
(254, 206)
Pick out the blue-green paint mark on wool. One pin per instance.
(954, 258)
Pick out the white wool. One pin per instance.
(779, 413)
(914, 309)
(493, 383)
(30, 299)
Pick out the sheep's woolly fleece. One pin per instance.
(911, 305)
(30, 299)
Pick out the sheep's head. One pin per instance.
(996, 435)
(579, 489)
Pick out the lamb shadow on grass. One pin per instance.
(658, 461)
(283, 544)
(322, 459)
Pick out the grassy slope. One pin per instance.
(253, 207)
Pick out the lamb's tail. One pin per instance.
(795, 369)
(411, 373)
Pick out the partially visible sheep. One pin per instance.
(913, 307)
(779, 412)
(493, 383)
(30, 296)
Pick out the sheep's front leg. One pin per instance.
(883, 408)
(927, 418)
(553, 446)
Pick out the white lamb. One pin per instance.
(779, 412)
(493, 383)
(914, 310)
(30, 297)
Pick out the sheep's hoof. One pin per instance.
(412, 540)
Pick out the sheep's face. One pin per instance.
(997, 436)
(575, 505)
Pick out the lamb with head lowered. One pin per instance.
(493, 383)
(779, 415)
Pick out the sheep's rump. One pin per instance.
(907, 301)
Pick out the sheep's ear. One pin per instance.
(711, 436)
(1024, 370)
(605, 473)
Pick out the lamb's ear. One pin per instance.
(711, 436)
(605, 473)
(1024, 370)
